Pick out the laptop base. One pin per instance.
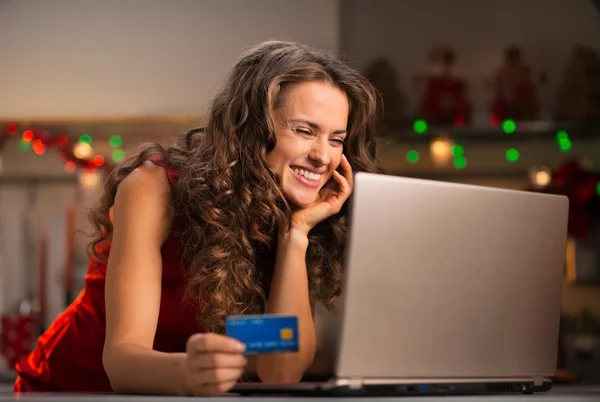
(332, 388)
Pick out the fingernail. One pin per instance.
(241, 347)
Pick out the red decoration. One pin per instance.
(515, 89)
(42, 141)
(445, 98)
(11, 129)
(17, 337)
(579, 185)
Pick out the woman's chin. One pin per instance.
(299, 202)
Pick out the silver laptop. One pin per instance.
(449, 288)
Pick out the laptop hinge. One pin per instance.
(355, 383)
(538, 381)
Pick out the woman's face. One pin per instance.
(310, 128)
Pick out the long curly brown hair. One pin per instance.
(227, 202)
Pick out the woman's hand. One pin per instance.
(331, 198)
(213, 365)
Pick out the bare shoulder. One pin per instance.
(143, 201)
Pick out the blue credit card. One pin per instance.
(264, 333)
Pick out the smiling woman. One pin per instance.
(246, 216)
(310, 128)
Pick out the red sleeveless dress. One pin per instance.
(68, 356)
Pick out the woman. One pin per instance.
(243, 217)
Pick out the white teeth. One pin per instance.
(307, 174)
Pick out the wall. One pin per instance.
(70, 58)
(106, 59)
(478, 30)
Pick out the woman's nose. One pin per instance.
(319, 152)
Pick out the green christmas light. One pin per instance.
(512, 155)
(24, 145)
(509, 126)
(564, 142)
(118, 155)
(460, 162)
(457, 150)
(412, 156)
(86, 138)
(420, 126)
(561, 134)
(115, 141)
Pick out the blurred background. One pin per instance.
(503, 94)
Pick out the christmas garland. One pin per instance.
(43, 140)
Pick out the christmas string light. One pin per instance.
(42, 140)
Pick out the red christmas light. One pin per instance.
(38, 147)
(98, 160)
(70, 166)
(62, 141)
(28, 136)
(11, 129)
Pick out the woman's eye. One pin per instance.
(338, 140)
(302, 131)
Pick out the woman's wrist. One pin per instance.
(183, 388)
(295, 236)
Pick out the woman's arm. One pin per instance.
(141, 224)
(289, 295)
(289, 287)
